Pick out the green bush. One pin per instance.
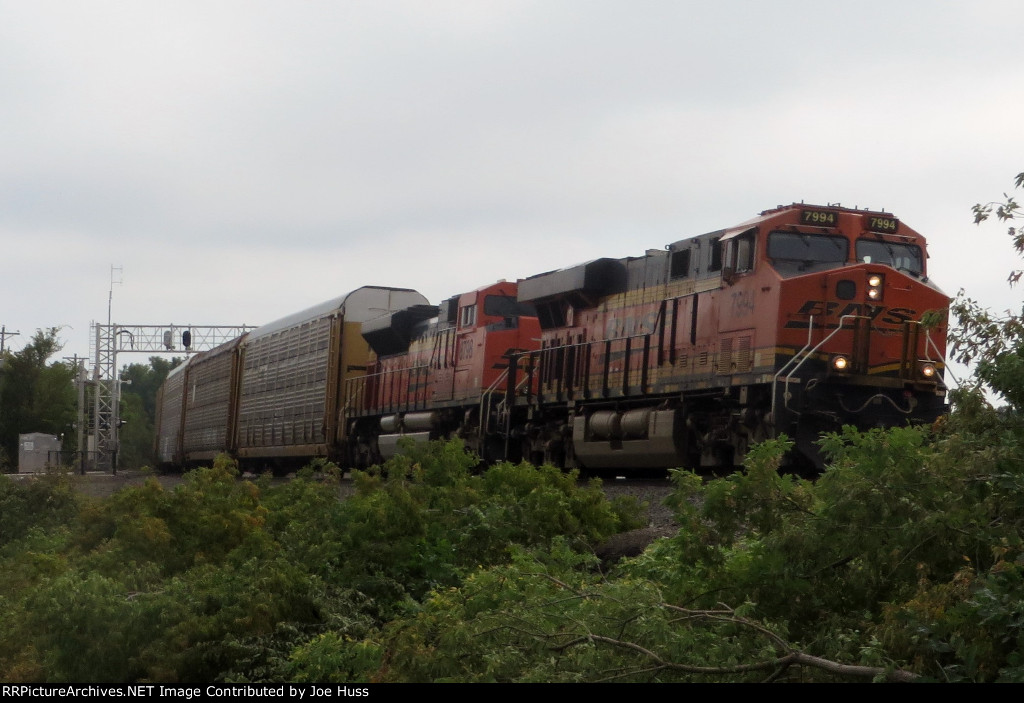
(221, 579)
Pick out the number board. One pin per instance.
(882, 224)
(821, 218)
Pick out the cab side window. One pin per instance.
(741, 252)
(739, 256)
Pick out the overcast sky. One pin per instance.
(245, 160)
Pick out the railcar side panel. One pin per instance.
(284, 391)
(293, 370)
(211, 411)
(170, 414)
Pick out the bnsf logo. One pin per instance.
(876, 313)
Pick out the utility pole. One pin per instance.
(4, 334)
(81, 381)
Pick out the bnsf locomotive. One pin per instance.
(798, 321)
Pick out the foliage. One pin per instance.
(895, 540)
(994, 341)
(45, 502)
(425, 517)
(35, 396)
(904, 560)
(221, 579)
(333, 658)
(1007, 210)
(550, 616)
(138, 410)
(202, 521)
(144, 380)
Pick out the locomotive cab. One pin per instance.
(861, 329)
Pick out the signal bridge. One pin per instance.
(107, 341)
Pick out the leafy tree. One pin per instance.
(426, 517)
(45, 502)
(902, 562)
(221, 579)
(994, 341)
(144, 380)
(551, 616)
(138, 409)
(35, 396)
(1006, 210)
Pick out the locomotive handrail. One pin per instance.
(585, 347)
(592, 341)
(357, 388)
(494, 387)
(485, 400)
(945, 367)
(818, 346)
(350, 391)
(515, 391)
(785, 367)
(789, 374)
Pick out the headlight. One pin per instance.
(928, 370)
(876, 282)
(840, 362)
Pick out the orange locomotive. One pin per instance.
(441, 372)
(798, 321)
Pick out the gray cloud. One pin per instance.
(243, 160)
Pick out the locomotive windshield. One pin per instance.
(792, 252)
(905, 257)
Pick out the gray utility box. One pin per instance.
(37, 452)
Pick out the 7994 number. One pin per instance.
(822, 218)
(883, 224)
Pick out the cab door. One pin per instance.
(465, 381)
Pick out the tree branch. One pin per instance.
(792, 656)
